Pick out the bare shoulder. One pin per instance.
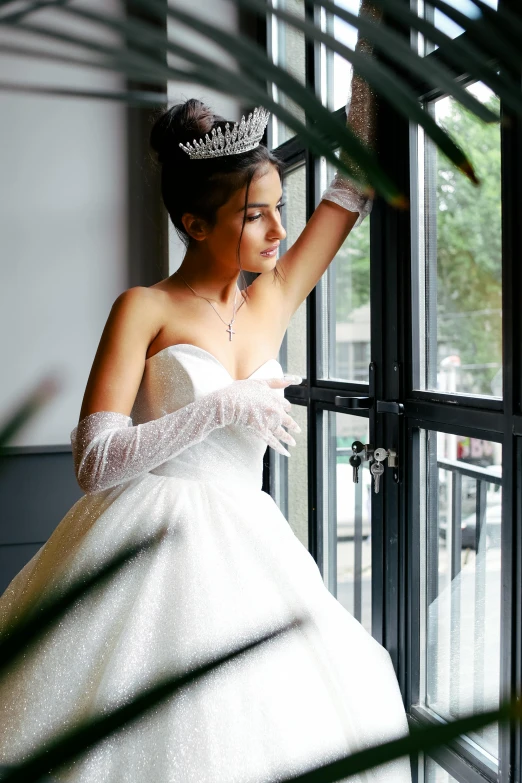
(134, 320)
(138, 298)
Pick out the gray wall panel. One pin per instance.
(36, 491)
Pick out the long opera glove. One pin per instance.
(361, 117)
(108, 449)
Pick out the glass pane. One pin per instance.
(289, 478)
(443, 22)
(344, 307)
(461, 578)
(457, 258)
(292, 354)
(336, 72)
(434, 773)
(287, 49)
(347, 567)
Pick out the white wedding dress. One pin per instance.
(229, 569)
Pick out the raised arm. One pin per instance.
(343, 206)
(303, 265)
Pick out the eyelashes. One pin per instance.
(256, 217)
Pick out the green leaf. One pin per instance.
(29, 407)
(467, 57)
(253, 61)
(394, 89)
(120, 66)
(229, 82)
(507, 22)
(398, 48)
(84, 735)
(38, 619)
(420, 740)
(428, 69)
(37, 5)
(484, 34)
(142, 99)
(322, 132)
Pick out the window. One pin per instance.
(344, 305)
(347, 516)
(460, 544)
(286, 46)
(410, 342)
(459, 258)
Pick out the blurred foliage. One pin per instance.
(469, 251)
(468, 225)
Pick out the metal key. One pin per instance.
(357, 447)
(355, 462)
(377, 469)
(380, 455)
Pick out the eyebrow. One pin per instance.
(250, 206)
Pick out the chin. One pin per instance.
(264, 265)
(267, 264)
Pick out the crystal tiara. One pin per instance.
(244, 136)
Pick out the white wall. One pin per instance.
(63, 233)
(63, 214)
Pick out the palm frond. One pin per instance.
(503, 19)
(36, 5)
(428, 69)
(141, 99)
(459, 51)
(254, 62)
(29, 407)
(321, 132)
(398, 49)
(388, 84)
(318, 135)
(248, 88)
(488, 36)
(84, 735)
(420, 740)
(41, 618)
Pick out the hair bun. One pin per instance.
(181, 123)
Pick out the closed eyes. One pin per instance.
(256, 217)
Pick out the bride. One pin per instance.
(183, 397)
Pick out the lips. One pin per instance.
(269, 249)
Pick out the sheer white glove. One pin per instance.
(341, 191)
(361, 116)
(107, 449)
(253, 404)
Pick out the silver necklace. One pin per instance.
(229, 324)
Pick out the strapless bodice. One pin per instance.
(181, 374)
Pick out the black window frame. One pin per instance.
(395, 555)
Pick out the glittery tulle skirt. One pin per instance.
(228, 570)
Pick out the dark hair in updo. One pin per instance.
(201, 186)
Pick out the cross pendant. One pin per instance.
(230, 331)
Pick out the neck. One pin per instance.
(209, 280)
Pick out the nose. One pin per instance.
(278, 230)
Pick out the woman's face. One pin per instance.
(263, 228)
